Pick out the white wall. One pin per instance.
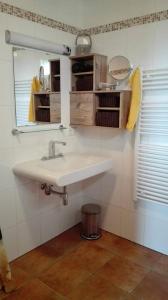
(27, 217)
(96, 12)
(147, 224)
(68, 12)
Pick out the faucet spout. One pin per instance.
(52, 144)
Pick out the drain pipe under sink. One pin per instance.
(49, 189)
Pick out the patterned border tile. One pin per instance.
(31, 16)
(150, 18)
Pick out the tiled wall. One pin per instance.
(27, 217)
(122, 23)
(145, 223)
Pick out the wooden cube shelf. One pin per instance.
(88, 104)
(48, 103)
(87, 71)
(100, 108)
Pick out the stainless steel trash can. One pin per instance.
(91, 221)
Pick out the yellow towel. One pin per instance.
(135, 82)
(35, 88)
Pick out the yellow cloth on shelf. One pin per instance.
(35, 88)
(135, 83)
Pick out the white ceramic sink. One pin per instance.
(64, 170)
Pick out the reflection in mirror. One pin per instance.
(37, 81)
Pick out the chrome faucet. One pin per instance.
(52, 151)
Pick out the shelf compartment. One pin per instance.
(84, 83)
(55, 75)
(108, 118)
(42, 115)
(87, 71)
(109, 99)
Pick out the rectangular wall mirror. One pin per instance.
(37, 87)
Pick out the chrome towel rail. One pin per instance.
(16, 131)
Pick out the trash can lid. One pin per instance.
(91, 208)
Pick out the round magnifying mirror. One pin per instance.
(119, 68)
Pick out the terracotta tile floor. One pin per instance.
(68, 267)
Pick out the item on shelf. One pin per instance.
(82, 66)
(83, 44)
(106, 85)
(41, 78)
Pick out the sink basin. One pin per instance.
(64, 170)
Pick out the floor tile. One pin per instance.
(161, 266)
(123, 273)
(142, 255)
(19, 278)
(98, 288)
(64, 276)
(114, 243)
(153, 287)
(67, 240)
(68, 267)
(37, 260)
(107, 239)
(33, 290)
(88, 256)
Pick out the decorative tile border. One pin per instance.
(31, 16)
(150, 18)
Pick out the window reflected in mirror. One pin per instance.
(37, 87)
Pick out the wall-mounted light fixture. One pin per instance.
(22, 40)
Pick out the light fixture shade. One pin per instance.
(22, 40)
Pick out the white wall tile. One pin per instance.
(50, 222)
(6, 163)
(48, 202)
(155, 235)
(10, 241)
(28, 235)
(133, 226)
(6, 79)
(5, 127)
(111, 219)
(7, 208)
(27, 201)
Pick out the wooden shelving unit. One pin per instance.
(47, 107)
(88, 71)
(55, 75)
(48, 104)
(89, 105)
(112, 108)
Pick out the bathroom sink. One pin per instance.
(64, 170)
